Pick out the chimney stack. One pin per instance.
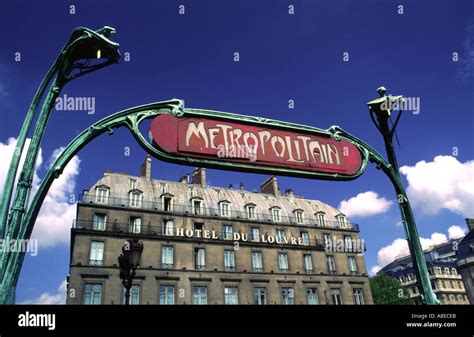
(145, 169)
(199, 176)
(270, 186)
(289, 192)
(242, 187)
(470, 224)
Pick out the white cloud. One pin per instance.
(399, 247)
(455, 232)
(365, 204)
(57, 212)
(46, 298)
(444, 183)
(467, 57)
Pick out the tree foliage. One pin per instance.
(387, 290)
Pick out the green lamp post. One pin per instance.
(380, 112)
(85, 52)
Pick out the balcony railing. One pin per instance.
(159, 231)
(200, 267)
(168, 266)
(96, 262)
(214, 212)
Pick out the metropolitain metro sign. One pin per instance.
(256, 145)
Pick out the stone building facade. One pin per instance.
(446, 282)
(212, 245)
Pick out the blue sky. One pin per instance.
(282, 57)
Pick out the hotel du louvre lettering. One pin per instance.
(213, 235)
(257, 144)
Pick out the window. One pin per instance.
(199, 259)
(166, 294)
(299, 216)
(134, 294)
(102, 195)
(135, 199)
(199, 295)
(336, 296)
(197, 206)
(308, 263)
(167, 228)
(348, 243)
(133, 184)
(100, 222)
(358, 296)
(331, 264)
(259, 295)
(229, 260)
(280, 235)
(96, 257)
(283, 262)
(287, 296)
(257, 265)
(276, 214)
(198, 226)
(341, 221)
(224, 208)
(167, 257)
(92, 293)
(443, 282)
(351, 260)
(304, 236)
(230, 295)
(327, 241)
(433, 284)
(255, 234)
(312, 296)
(167, 203)
(446, 271)
(414, 290)
(227, 232)
(321, 219)
(454, 271)
(135, 225)
(251, 211)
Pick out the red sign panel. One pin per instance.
(255, 144)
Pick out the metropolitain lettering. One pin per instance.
(287, 147)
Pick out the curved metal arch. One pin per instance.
(131, 118)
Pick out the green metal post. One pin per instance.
(382, 108)
(83, 44)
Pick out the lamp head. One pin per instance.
(87, 51)
(383, 105)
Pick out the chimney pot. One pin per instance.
(145, 168)
(270, 186)
(199, 176)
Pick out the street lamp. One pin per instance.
(381, 112)
(129, 260)
(85, 52)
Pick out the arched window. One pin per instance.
(196, 205)
(224, 208)
(276, 214)
(299, 216)
(102, 194)
(167, 202)
(250, 210)
(135, 198)
(321, 218)
(341, 220)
